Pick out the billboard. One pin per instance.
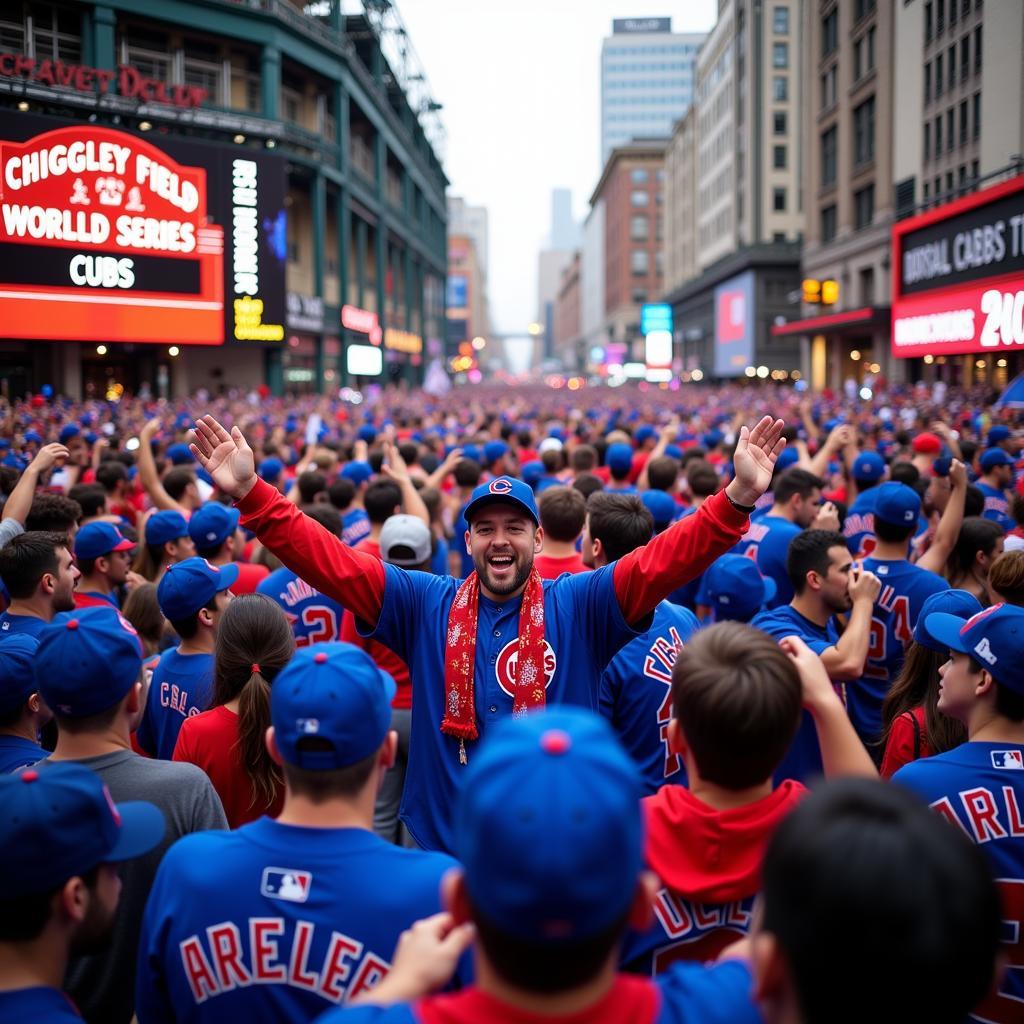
(734, 325)
(458, 292)
(627, 26)
(108, 236)
(958, 275)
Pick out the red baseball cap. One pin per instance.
(927, 444)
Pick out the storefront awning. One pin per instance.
(834, 323)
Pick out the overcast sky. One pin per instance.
(520, 84)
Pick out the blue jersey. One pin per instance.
(583, 630)
(767, 542)
(29, 625)
(355, 525)
(803, 761)
(314, 617)
(17, 752)
(980, 787)
(636, 694)
(181, 686)
(39, 1004)
(276, 922)
(859, 524)
(997, 507)
(687, 994)
(905, 588)
(439, 559)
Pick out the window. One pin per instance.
(952, 66)
(828, 87)
(864, 132)
(975, 170)
(639, 262)
(940, 17)
(965, 57)
(779, 200)
(638, 176)
(56, 33)
(829, 141)
(779, 158)
(828, 223)
(927, 23)
(780, 88)
(950, 133)
(949, 181)
(963, 123)
(952, 13)
(659, 263)
(938, 76)
(938, 135)
(965, 8)
(976, 112)
(867, 286)
(862, 8)
(830, 33)
(927, 190)
(638, 198)
(927, 140)
(639, 296)
(780, 21)
(858, 59)
(977, 48)
(864, 207)
(780, 55)
(779, 123)
(927, 83)
(638, 229)
(871, 48)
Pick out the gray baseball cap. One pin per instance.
(406, 532)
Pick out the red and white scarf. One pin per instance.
(460, 657)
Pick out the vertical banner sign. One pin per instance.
(734, 325)
(104, 236)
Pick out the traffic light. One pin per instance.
(820, 293)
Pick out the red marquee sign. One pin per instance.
(105, 237)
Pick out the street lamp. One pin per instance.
(479, 344)
(534, 329)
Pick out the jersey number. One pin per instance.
(998, 1007)
(878, 638)
(321, 625)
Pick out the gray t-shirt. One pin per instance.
(9, 529)
(103, 986)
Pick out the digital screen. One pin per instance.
(364, 360)
(734, 325)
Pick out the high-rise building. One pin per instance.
(472, 221)
(565, 232)
(647, 80)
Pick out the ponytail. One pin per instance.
(253, 719)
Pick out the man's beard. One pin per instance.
(96, 932)
(502, 587)
(64, 602)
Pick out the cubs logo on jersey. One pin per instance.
(505, 667)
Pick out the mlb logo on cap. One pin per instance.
(993, 637)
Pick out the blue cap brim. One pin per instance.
(945, 629)
(770, 589)
(228, 576)
(390, 686)
(142, 827)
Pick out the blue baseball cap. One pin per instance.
(547, 826)
(17, 674)
(190, 584)
(271, 469)
(993, 637)
(676, 452)
(97, 539)
(992, 457)
(164, 526)
(494, 450)
(60, 821)
(34, 436)
(367, 433)
(180, 454)
(68, 431)
(960, 603)
(532, 472)
(211, 524)
(661, 505)
(472, 451)
(713, 438)
(619, 457)
(357, 472)
(868, 466)
(334, 692)
(644, 433)
(998, 433)
(897, 504)
(787, 457)
(502, 489)
(734, 587)
(87, 661)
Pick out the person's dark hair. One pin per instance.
(8, 480)
(149, 558)
(410, 451)
(53, 513)
(916, 902)
(553, 460)
(310, 484)
(588, 484)
(468, 472)
(904, 473)
(91, 497)
(733, 689)
(583, 458)
(1017, 507)
(177, 480)
(1009, 703)
(548, 967)
(23, 917)
(341, 493)
(891, 533)
(376, 460)
(563, 511)
(110, 473)
(796, 481)
(968, 449)
(1006, 577)
(917, 685)
(142, 610)
(431, 497)
(621, 522)
(326, 515)
(976, 534)
(99, 722)
(701, 478)
(27, 558)
(254, 642)
(381, 499)
(808, 552)
(974, 501)
(319, 786)
(694, 454)
(662, 473)
(187, 628)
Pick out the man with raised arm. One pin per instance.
(503, 641)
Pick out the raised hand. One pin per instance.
(757, 451)
(226, 457)
(49, 456)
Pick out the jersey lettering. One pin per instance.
(197, 970)
(174, 697)
(698, 931)
(297, 973)
(262, 941)
(371, 972)
(989, 816)
(336, 971)
(1000, 1007)
(658, 665)
(226, 944)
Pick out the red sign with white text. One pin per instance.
(104, 237)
